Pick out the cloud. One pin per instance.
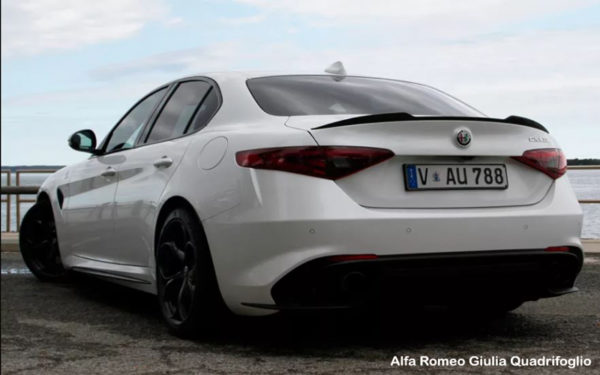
(31, 27)
(542, 60)
(174, 64)
(550, 76)
(81, 97)
(239, 21)
(416, 18)
(486, 53)
(173, 22)
(354, 10)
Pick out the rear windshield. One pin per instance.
(300, 95)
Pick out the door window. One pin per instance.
(207, 109)
(175, 117)
(125, 133)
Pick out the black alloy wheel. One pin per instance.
(39, 244)
(187, 289)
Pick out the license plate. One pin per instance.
(454, 176)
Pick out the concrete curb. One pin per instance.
(10, 243)
(591, 245)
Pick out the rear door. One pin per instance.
(148, 168)
(430, 150)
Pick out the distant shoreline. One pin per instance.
(583, 161)
(14, 168)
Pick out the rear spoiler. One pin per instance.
(403, 116)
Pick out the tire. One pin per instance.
(188, 294)
(39, 244)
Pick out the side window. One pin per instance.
(207, 109)
(176, 115)
(124, 135)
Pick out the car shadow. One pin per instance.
(284, 334)
(315, 333)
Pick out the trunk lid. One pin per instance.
(420, 141)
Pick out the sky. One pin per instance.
(70, 64)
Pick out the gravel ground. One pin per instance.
(93, 327)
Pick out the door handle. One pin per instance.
(164, 162)
(108, 172)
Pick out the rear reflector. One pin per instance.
(551, 161)
(331, 162)
(346, 258)
(557, 248)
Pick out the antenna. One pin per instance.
(336, 68)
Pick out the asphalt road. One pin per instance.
(90, 327)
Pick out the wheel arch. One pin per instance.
(170, 204)
(178, 201)
(50, 266)
(43, 197)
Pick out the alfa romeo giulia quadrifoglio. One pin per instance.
(257, 193)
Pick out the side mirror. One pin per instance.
(83, 140)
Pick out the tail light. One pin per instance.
(554, 249)
(347, 258)
(551, 161)
(331, 162)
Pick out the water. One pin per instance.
(586, 184)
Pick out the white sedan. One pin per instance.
(260, 193)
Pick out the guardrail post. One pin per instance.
(18, 178)
(8, 199)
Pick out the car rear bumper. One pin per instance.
(274, 231)
(442, 278)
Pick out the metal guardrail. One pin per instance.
(7, 200)
(14, 190)
(20, 200)
(17, 190)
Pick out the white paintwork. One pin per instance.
(89, 210)
(433, 142)
(142, 181)
(262, 224)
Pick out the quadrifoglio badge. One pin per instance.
(491, 361)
